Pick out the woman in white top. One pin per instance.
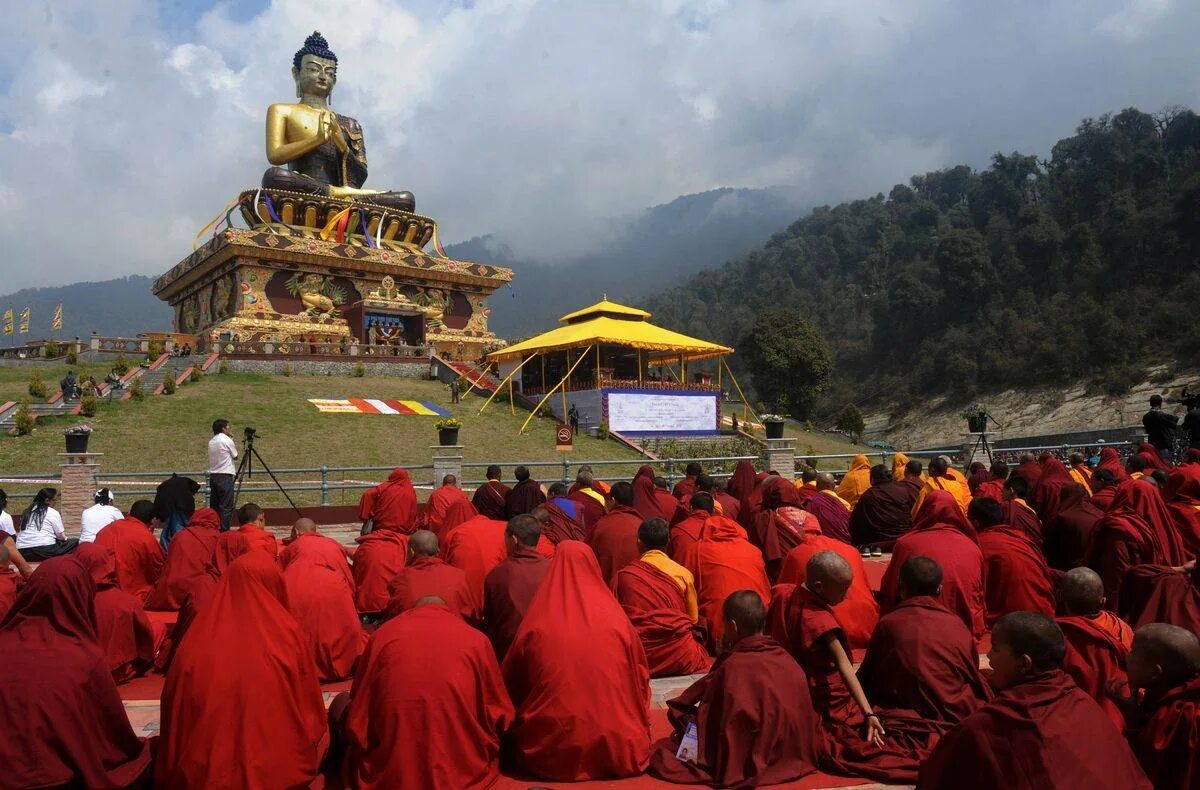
(98, 516)
(42, 536)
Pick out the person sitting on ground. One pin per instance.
(1016, 577)
(1137, 467)
(659, 595)
(458, 694)
(98, 516)
(187, 558)
(562, 519)
(942, 477)
(1081, 473)
(781, 524)
(884, 511)
(379, 556)
(1163, 594)
(126, 636)
(476, 546)
(524, 496)
(577, 674)
(832, 512)
(723, 503)
(857, 480)
(1017, 510)
(65, 721)
(722, 562)
(244, 660)
(1041, 730)
(589, 498)
(391, 505)
(1028, 469)
(685, 533)
(439, 504)
(652, 500)
(994, 488)
(320, 595)
(1164, 667)
(140, 559)
(1137, 529)
(614, 537)
(1097, 641)
(751, 717)
(510, 586)
(42, 535)
(1104, 489)
(10, 580)
(252, 522)
(490, 498)
(684, 489)
(428, 574)
(1066, 539)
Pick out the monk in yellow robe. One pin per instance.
(856, 481)
(942, 477)
(1080, 472)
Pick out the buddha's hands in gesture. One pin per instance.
(330, 129)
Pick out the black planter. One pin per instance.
(77, 442)
(774, 430)
(447, 437)
(977, 423)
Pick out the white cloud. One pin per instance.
(1135, 19)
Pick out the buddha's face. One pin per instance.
(315, 77)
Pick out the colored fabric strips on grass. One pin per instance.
(378, 406)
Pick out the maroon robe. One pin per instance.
(1095, 658)
(1158, 594)
(123, 630)
(650, 501)
(1182, 493)
(730, 507)
(685, 534)
(614, 540)
(1165, 744)
(379, 557)
(684, 489)
(1016, 577)
(507, 591)
(1030, 472)
(657, 608)
(1137, 530)
(490, 499)
(833, 515)
(1045, 497)
(561, 524)
(593, 510)
(755, 722)
(1067, 538)
(524, 497)
(1022, 518)
(884, 512)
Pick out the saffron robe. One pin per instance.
(139, 557)
(657, 607)
(1016, 577)
(320, 595)
(507, 592)
(959, 490)
(614, 540)
(432, 576)
(190, 551)
(1095, 658)
(856, 481)
(379, 557)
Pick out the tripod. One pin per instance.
(981, 442)
(246, 469)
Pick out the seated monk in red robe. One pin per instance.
(427, 574)
(244, 661)
(659, 595)
(439, 504)
(942, 533)
(884, 511)
(1045, 496)
(457, 697)
(831, 510)
(391, 505)
(614, 537)
(1136, 530)
(1016, 577)
(1097, 641)
(1182, 493)
(921, 670)
(252, 524)
(1163, 594)
(489, 499)
(477, 545)
(379, 557)
(126, 636)
(139, 557)
(652, 499)
(11, 580)
(510, 586)
(320, 595)
(1164, 667)
(684, 489)
(753, 717)
(1066, 539)
(780, 524)
(524, 496)
(562, 519)
(994, 487)
(578, 677)
(591, 496)
(685, 533)
(62, 716)
(725, 562)
(189, 553)
(856, 741)
(1040, 731)
(1018, 512)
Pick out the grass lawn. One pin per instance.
(14, 381)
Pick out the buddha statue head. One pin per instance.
(314, 68)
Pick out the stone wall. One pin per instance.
(312, 367)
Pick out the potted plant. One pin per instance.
(773, 423)
(77, 438)
(976, 417)
(448, 431)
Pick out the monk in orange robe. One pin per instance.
(320, 594)
(139, 557)
(126, 636)
(379, 557)
(725, 562)
(856, 481)
(614, 538)
(1164, 666)
(1081, 473)
(1016, 577)
(942, 477)
(1097, 641)
(426, 575)
(187, 558)
(510, 586)
(439, 504)
(659, 595)
(252, 522)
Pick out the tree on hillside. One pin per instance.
(788, 360)
(850, 422)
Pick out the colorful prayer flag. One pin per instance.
(8, 321)
(57, 322)
(378, 406)
(25, 320)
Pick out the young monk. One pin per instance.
(139, 557)
(189, 553)
(64, 722)
(320, 595)
(1041, 731)
(1097, 641)
(252, 523)
(659, 596)
(510, 586)
(126, 636)
(725, 562)
(1016, 577)
(578, 677)
(753, 717)
(244, 662)
(614, 536)
(1164, 666)
(428, 574)
(457, 694)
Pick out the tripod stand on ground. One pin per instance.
(246, 469)
(981, 441)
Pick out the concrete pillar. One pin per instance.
(781, 457)
(447, 460)
(95, 343)
(78, 483)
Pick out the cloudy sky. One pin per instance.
(125, 125)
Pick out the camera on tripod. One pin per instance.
(251, 434)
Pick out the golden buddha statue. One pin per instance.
(323, 151)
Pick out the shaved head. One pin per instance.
(449, 480)
(745, 609)
(880, 474)
(423, 543)
(825, 482)
(1173, 651)
(1033, 635)
(304, 525)
(920, 576)
(426, 600)
(829, 566)
(1081, 592)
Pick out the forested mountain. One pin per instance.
(1082, 266)
(121, 307)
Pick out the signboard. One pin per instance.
(679, 412)
(564, 438)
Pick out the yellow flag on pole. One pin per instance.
(8, 321)
(57, 322)
(25, 320)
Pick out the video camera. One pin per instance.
(251, 434)
(1189, 400)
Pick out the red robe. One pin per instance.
(1136, 530)
(489, 499)
(1044, 732)
(1095, 658)
(392, 505)
(725, 563)
(684, 489)
(1112, 462)
(832, 513)
(742, 482)
(1016, 577)
(62, 716)
(755, 721)
(1165, 744)
(685, 534)
(651, 501)
(730, 507)
(10, 583)
(1019, 515)
(320, 595)
(992, 489)
(942, 533)
(780, 525)
(1045, 497)
(614, 540)
(438, 505)
(1103, 498)
(1182, 493)
(379, 557)
(1067, 538)
(523, 498)
(476, 546)
(578, 677)
(258, 538)
(562, 525)
(245, 664)
(1030, 472)
(124, 632)
(189, 553)
(507, 593)
(432, 576)
(657, 608)
(1157, 594)
(593, 509)
(859, 613)
(456, 701)
(139, 557)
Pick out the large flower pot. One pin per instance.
(77, 442)
(774, 430)
(447, 437)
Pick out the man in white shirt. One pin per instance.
(222, 452)
(98, 516)
(6, 522)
